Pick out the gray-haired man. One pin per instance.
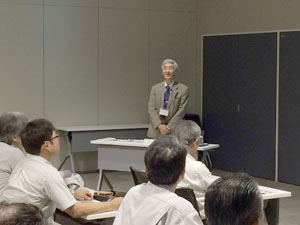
(167, 103)
(197, 176)
(11, 148)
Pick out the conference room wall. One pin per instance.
(235, 16)
(70, 60)
(21, 57)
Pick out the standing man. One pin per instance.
(167, 103)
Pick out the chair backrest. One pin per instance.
(193, 117)
(139, 176)
(188, 194)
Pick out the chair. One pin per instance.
(139, 176)
(193, 117)
(188, 194)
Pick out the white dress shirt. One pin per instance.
(9, 157)
(34, 180)
(149, 204)
(198, 178)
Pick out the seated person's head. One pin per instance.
(39, 137)
(188, 132)
(20, 214)
(165, 161)
(233, 200)
(11, 124)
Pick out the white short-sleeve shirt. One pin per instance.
(35, 181)
(197, 177)
(9, 157)
(149, 204)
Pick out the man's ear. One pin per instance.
(182, 173)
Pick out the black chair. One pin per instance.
(188, 194)
(139, 176)
(193, 117)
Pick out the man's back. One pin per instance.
(151, 204)
(198, 178)
(9, 157)
(36, 181)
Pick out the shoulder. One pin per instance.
(182, 206)
(10, 153)
(157, 86)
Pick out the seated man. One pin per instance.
(34, 180)
(20, 214)
(197, 176)
(11, 149)
(155, 202)
(233, 200)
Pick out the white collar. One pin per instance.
(170, 85)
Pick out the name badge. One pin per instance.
(163, 112)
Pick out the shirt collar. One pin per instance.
(189, 156)
(39, 158)
(170, 85)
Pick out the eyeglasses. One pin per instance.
(57, 136)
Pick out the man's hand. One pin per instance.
(116, 202)
(164, 129)
(83, 194)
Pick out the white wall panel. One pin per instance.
(21, 59)
(174, 35)
(71, 65)
(132, 4)
(82, 3)
(180, 5)
(22, 1)
(123, 66)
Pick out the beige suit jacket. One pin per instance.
(176, 106)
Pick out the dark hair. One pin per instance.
(35, 134)
(233, 200)
(11, 124)
(20, 214)
(165, 160)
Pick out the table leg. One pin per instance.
(272, 211)
(68, 138)
(100, 179)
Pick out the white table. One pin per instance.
(78, 137)
(116, 154)
(271, 198)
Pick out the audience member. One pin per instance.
(155, 202)
(35, 181)
(20, 214)
(233, 200)
(11, 148)
(197, 176)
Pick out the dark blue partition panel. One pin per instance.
(239, 101)
(289, 108)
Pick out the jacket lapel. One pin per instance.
(161, 94)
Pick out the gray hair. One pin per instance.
(187, 131)
(11, 124)
(169, 61)
(20, 213)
